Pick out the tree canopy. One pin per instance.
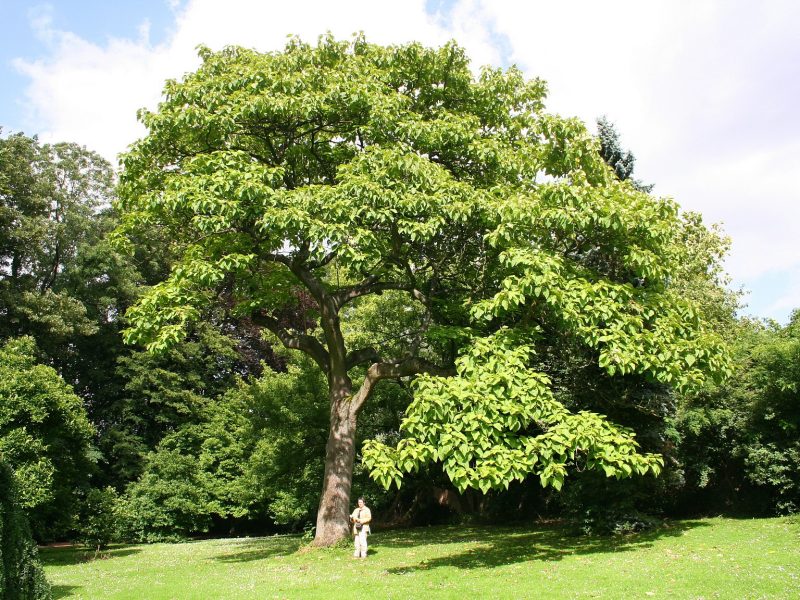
(293, 186)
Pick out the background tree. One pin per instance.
(621, 161)
(60, 282)
(293, 185)
(50, 195)
(158, 395)
(45, 437)
(740, 443)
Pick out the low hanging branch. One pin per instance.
(395, 370)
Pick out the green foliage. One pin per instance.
(21, 573)
(45, 436)
(700, 277)
(198, 473)
(288, 426)
(160, 394)
(250, 454)
(201, 470)
(740, 439)
(169, 501)
(497, 421)
(633, 329)
(179, 420)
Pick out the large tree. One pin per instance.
(621, 161)
(293, 185)
(60, 282)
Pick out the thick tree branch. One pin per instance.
(307, 278)
(362, 356)
(280, 258)
(301, 254)
(329, 317)
(296, 341)
(395, 370)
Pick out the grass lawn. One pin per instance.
(709, 558)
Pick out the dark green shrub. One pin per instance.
(169, 502)
(21, 574)
(98, 524)
(740, 440)
(45, 438)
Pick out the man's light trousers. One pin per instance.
(361, 544)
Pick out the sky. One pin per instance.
(705, 92)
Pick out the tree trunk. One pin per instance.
(334, 506)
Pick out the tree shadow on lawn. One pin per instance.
(63, 591)
(503, 546)
(73, 555)
(262, 548)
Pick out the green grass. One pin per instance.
(710, 558)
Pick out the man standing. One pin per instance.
(360, 519)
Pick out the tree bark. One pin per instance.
(334, 506)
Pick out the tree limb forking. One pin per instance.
(279, 258)
(373, 285)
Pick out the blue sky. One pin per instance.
(95, 20)
(703, 91)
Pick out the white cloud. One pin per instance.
(704, 93)
(89, 92)
(755, 195)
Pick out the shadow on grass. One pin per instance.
(63, 591)
(73, 555)
(503, 546)
(261, 548)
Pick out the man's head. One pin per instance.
(361, 502)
